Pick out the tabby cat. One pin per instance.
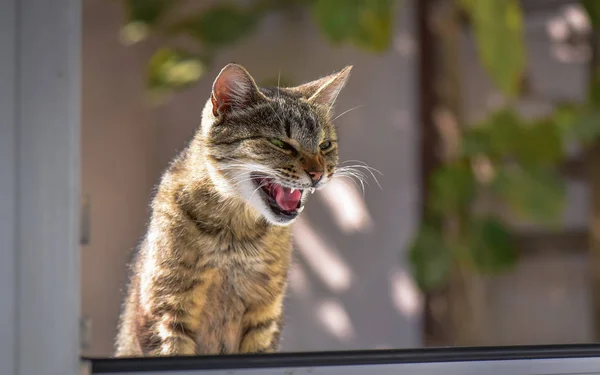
(211, 272)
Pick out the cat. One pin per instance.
(210, 274)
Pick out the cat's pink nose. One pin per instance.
(316, 176)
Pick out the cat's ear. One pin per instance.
(233, 89)
(324, 91)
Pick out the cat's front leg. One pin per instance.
(177, 345)
(261, 328)
(176, 313)
(172, 336)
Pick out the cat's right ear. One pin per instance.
(324, 91)
(233, 89)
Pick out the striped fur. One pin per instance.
(210, 274)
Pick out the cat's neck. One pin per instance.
(197, 195)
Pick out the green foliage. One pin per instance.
(490, 247)
(149, 12)
(494, 136)
(221, 25)
(519, 173)
(452, 187)
(498, 28)
(505, 135)
(487, 246)
(431, 258)
(534, 193)
(365, 23)
(585, 126)
(170, 68)
(592, 8)
(578, 122)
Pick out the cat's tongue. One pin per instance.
(286, 199)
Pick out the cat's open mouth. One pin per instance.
(284, 201)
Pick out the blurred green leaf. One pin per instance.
(149, 12)
(494, 136)
(169, 69)
(430, 258)
(498, 29)
(476, 140)
(365, 23)
(593, 10)
(134, 32)
(539, 143)
(535, 193)
(503, 129)
(452, 188)
(584, 125)
(220, 25)
(504, 135)
(565, 115)
(490, 246)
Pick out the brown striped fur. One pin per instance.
(210, 274)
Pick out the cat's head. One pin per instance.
(271, 147)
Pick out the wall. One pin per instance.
(119, 148)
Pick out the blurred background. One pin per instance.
(482, 117)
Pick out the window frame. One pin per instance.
(39, 186)
(515, 360)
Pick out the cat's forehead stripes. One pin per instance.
(301, 124)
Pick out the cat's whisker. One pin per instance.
(353, 177)
(347, 111)
(360, 178)
(363, 166)
(278, 80)
(354, 172)
(255, 190)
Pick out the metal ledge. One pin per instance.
(346, 358)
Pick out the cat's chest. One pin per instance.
(255, 271)
(254, 281)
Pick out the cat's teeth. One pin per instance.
(292, 190)
(300, 209)
(312, 190)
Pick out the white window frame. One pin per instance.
(40, 44)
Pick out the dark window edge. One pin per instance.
(343, 358)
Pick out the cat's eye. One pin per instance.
(278, 143)
(325, 145)
(282, 145)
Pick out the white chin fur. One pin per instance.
(253, 196)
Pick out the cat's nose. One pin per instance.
(315, 176)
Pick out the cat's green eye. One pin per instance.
(288, 148)
(278, 143)
(325, 145)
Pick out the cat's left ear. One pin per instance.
(233, 89)
(324, 91)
